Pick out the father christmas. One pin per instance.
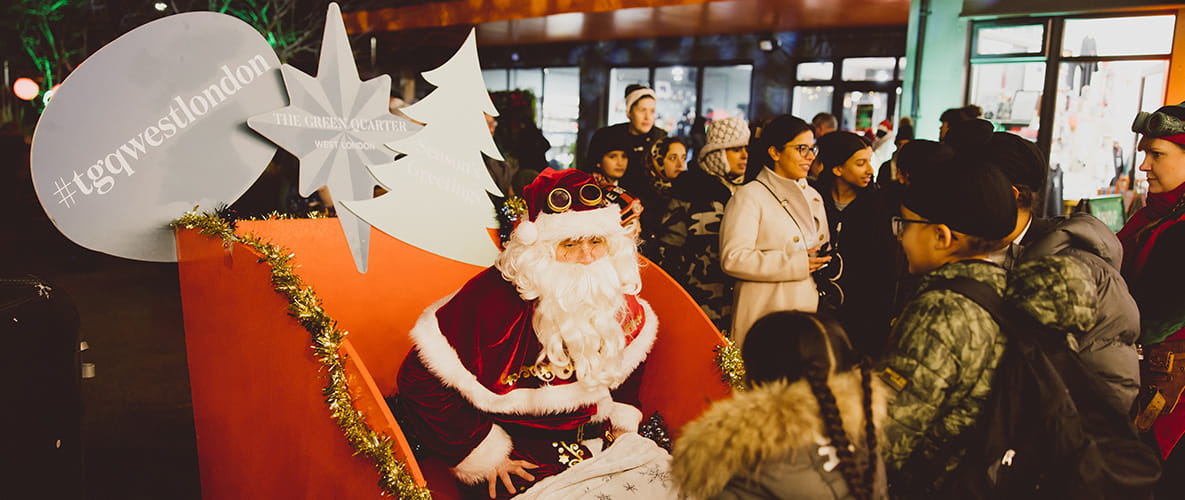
(531, 370)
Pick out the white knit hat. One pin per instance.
(723, 134)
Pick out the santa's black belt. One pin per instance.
(588, 430)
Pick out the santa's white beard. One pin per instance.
(579, 309)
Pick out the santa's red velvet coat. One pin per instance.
(472, 398)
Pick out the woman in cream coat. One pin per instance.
(772, 228)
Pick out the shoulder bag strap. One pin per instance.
(782, 203)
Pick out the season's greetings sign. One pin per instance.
(155, 124)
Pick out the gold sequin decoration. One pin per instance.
(543, 370)
(732, 369)
(570, 454)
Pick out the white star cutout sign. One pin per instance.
(337, 125)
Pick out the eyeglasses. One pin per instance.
(899, 224)
(803, 149)
(559, 200)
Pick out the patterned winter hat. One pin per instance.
(722, 134)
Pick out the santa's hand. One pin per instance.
(503, 472)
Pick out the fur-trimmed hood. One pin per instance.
(735, 435)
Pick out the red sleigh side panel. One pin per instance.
(263, 428)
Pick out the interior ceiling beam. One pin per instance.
(506, 22)
(470, 12)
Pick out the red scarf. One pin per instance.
(1139, 234)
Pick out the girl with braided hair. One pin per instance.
(806, 428)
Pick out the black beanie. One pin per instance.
(835, 148)
(968, 194)
(969, 134)
(904, 132)
(602, 142)
(919, 157)
(1018, 159)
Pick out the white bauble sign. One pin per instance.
(153, 125)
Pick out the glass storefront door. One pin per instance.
(1093, 143)
(1010, 95)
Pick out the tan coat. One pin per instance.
(766, 250)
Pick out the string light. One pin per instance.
(25, 88)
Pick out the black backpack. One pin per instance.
(1045, 432)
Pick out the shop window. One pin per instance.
(559, 119)
(1010, 95)
(1118, 36)
(1093, 144)
(811, 100)
(619, 79)
(495, 79)
(863, 110)
(677, 99)
(994, 40)
(815, 71)
(557, 103)
(864, 69)
(528, 79)
(726, 91)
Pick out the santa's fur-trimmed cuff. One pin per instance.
(486, 457)
(625, 417)
(621, 416)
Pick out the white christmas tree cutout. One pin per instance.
(436, 196)
(336, 125)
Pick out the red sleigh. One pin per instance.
(264, 429)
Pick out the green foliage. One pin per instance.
(48, 35)
(290, 29)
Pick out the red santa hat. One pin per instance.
(564, 204)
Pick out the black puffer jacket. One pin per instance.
(1109, 347)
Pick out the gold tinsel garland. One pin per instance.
(732, 369)
(305, 306)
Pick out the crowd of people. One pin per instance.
(865, 300)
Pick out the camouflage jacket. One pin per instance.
(941, 359)
(688, 243)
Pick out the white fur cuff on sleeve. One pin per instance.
(486, 457)
(625, 417)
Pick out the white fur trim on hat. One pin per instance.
(605, 221)
(637, 95)
(526, 233)
(486, 457)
